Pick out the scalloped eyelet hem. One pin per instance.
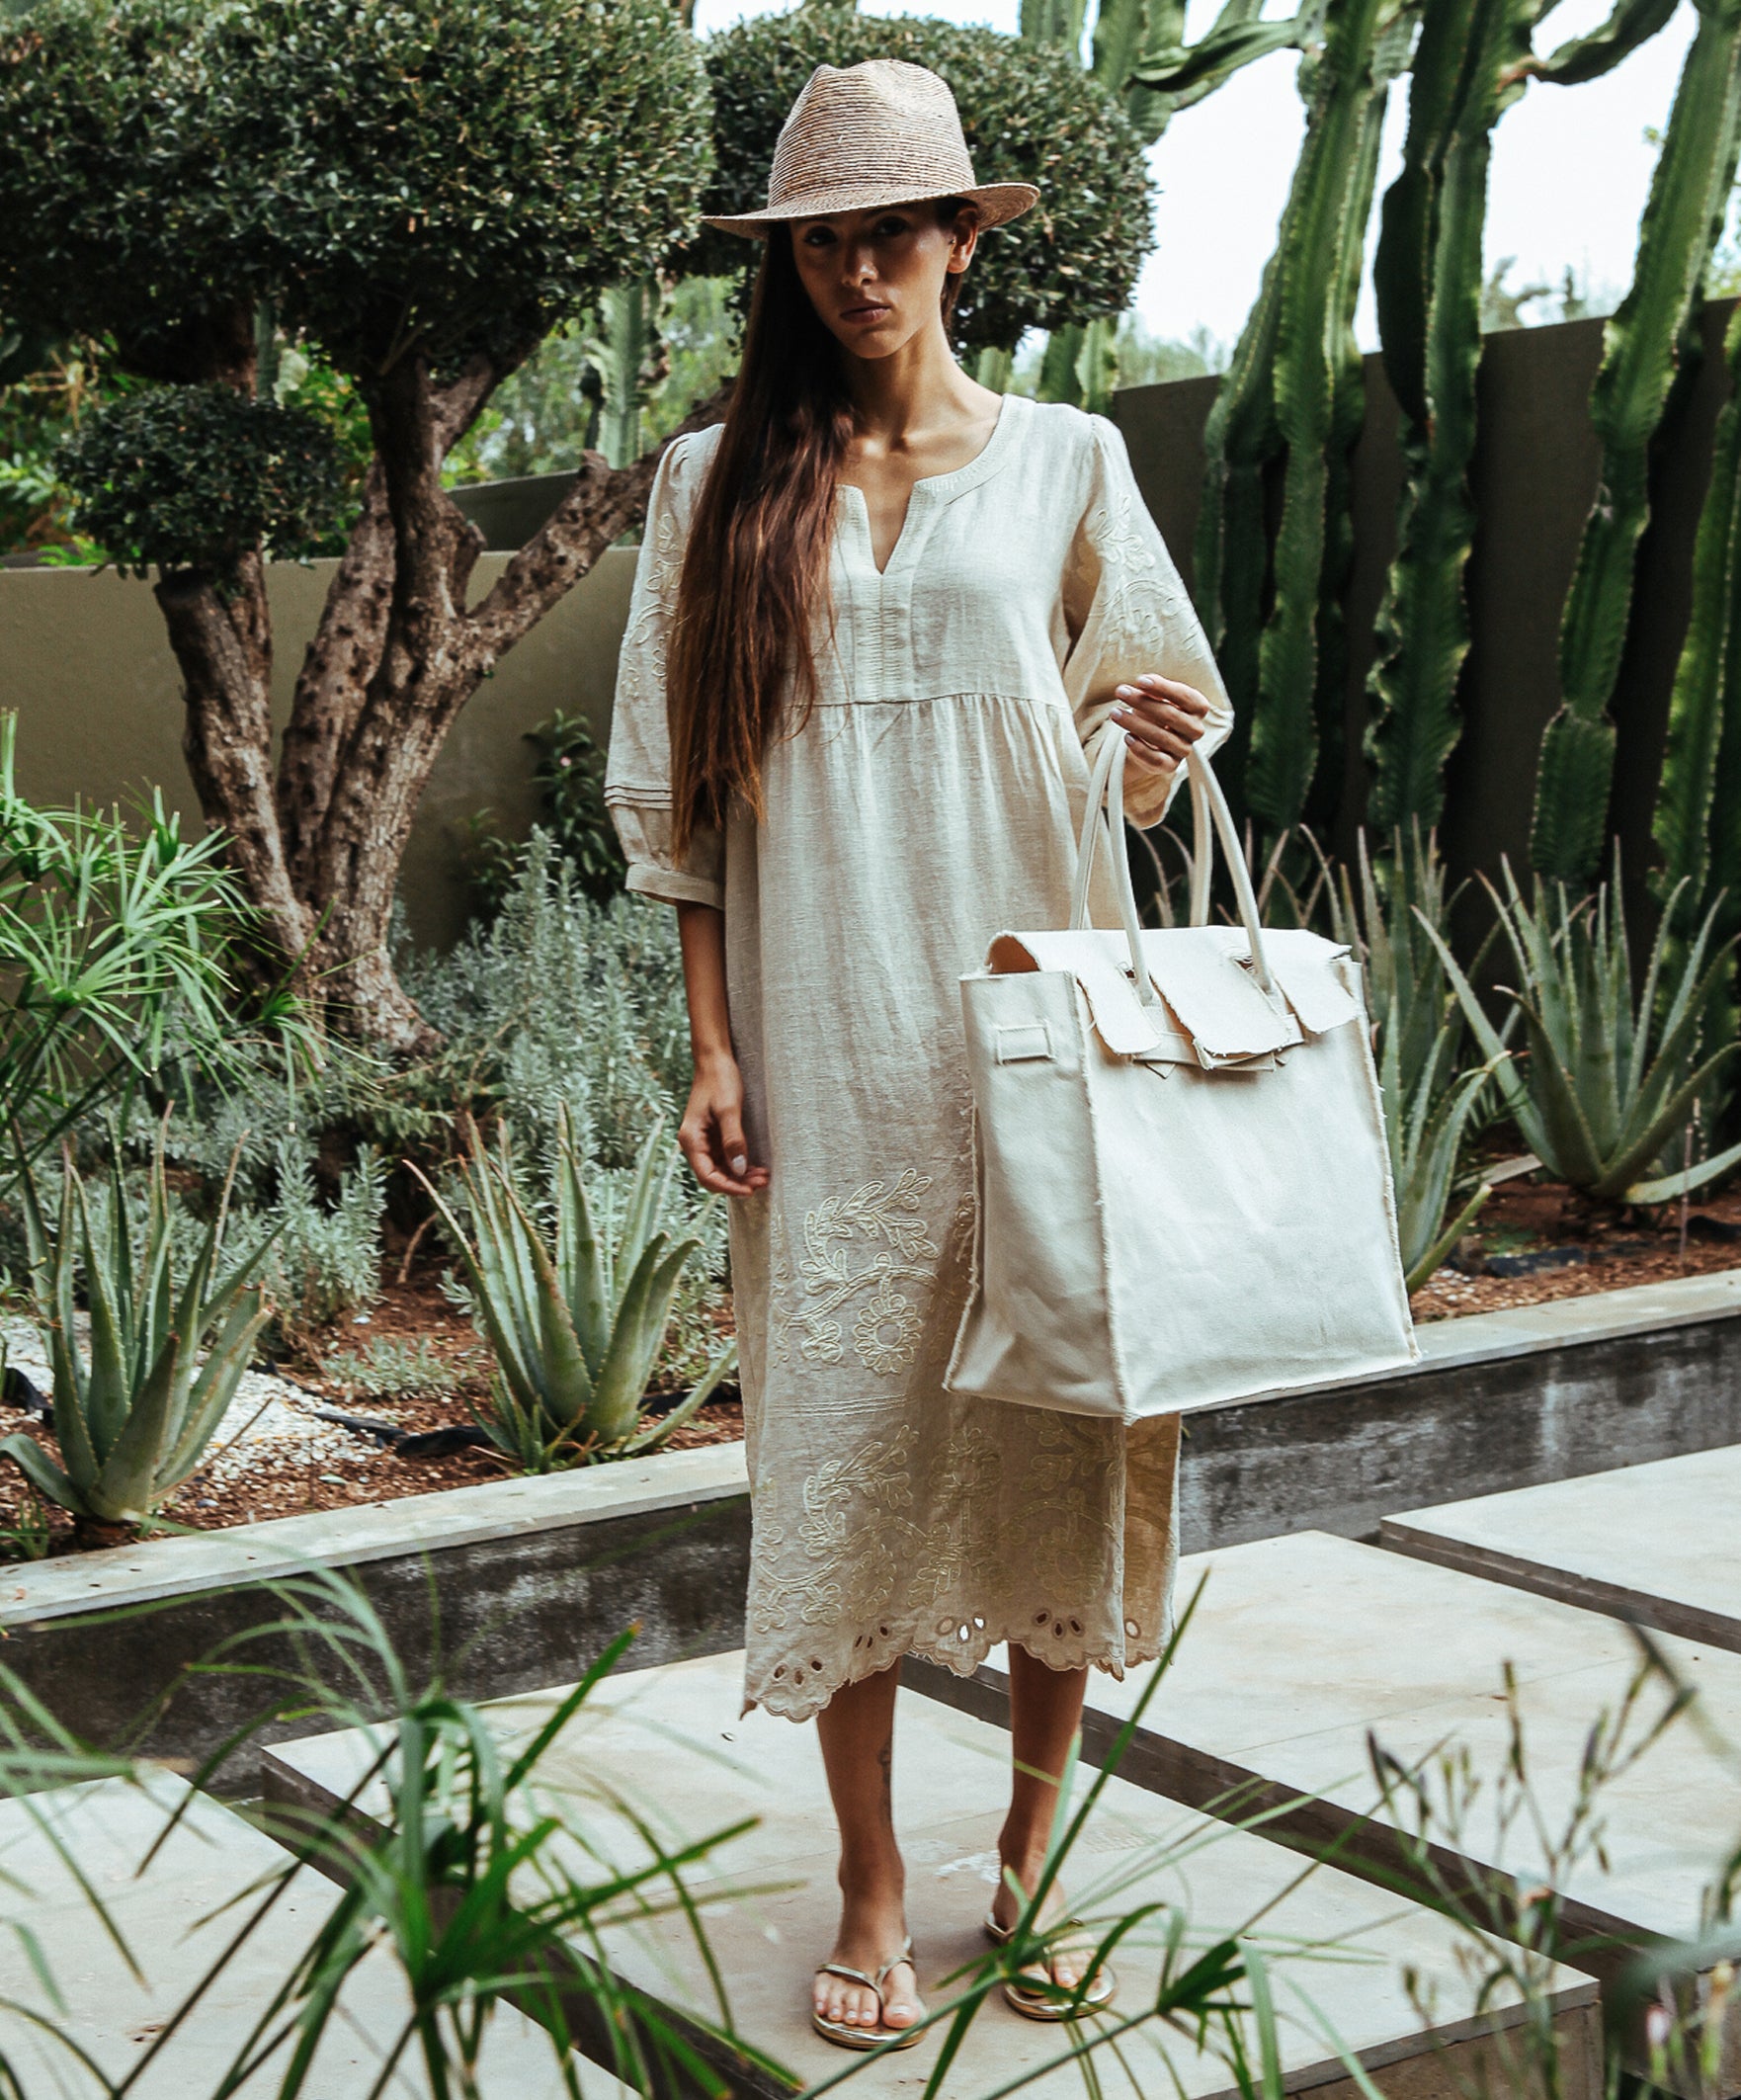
(802, 1685)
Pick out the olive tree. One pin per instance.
(421, 191)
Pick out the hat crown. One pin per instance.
(881, 121)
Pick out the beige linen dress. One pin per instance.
(931, 800)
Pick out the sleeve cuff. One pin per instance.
(671, 887)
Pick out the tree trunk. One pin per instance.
(318, 843)
(225, 650)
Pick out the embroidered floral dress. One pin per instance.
(932, 799)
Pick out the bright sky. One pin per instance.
(1570, 168)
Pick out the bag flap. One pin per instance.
(1204, 978)
(1209, 992)
(1100, 961)
(1304, 965)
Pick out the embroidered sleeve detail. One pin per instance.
(1128, 612)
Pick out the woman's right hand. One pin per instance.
(712, 1133)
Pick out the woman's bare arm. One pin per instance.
(712, 1133)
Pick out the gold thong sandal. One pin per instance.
(866, 2038)
(1053, 2000)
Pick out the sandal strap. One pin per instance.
(871, 1982)
(894, 1962)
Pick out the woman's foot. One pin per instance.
(873, 1933)
(1069, 1954)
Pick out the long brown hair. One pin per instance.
(755, 569)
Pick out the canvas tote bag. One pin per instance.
(1184, 1189)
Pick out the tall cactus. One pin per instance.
(1649, 343)
(1314, 348)
(632, 359)
(1428, 279)
(1288, 400)
(1472, 63)
(1698, 822)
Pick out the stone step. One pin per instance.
(1659, 1543)
(1303, 1649)
(671, 1742)
(167, 1917)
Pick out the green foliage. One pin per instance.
(1030, 114)
(195, 477)
(1428, 286)
(327, 1261)
(547, 413)
(505, 1000)
(119, 177)
(576, 1318)
(134, 1420)
(389, 1369)
(1388, 915)
(570, 778)
(1649, 342)
(25, 1535)
(110, 952)
(1147, 359)
(444, 176)
(1605, 1089)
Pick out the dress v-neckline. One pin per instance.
(931, 485)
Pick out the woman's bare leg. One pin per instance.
(1046, 1711)
(857, 1733)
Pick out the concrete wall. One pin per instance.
(529, 1579)
(84, 660)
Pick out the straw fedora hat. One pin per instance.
(882, 132)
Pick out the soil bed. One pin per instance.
(302, 1464)
(299, 1463)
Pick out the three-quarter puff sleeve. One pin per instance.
(1127, 611)
(637, 772)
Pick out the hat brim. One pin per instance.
(998, 202)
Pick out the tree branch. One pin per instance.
(604, 503)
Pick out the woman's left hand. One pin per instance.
(1161, 720)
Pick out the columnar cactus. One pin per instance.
(1697, 824)
(1290, 400)
(1650, 342)
(1428, 279)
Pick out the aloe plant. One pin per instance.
(135, 1419)
(1605, 1088)
(1649, 343)
(1424, 1125)
(1429, 1104)
(576, 1320)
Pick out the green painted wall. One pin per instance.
(84, 660)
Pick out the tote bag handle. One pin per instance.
(1209, 806)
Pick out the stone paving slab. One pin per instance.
(164, 1918)
(1659, 1543)
(1303, 1649)
(672, 1742)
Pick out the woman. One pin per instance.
(881, 618)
